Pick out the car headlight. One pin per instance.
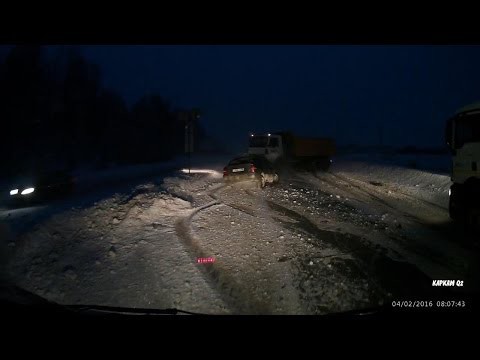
(14, 192)
(27, 191)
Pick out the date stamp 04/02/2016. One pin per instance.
(429, 304)
(439, 303)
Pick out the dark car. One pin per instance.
(41, 186)
(251, 168)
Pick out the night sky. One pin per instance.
(348, 92)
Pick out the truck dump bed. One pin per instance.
(313, 147)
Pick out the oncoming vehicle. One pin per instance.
(40, 187)
(250, 167)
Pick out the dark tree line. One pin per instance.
(54, 110)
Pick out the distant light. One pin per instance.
(14, 192)
(449, 192)
(268, 134)
(200, 171)
(28, 191)
(251, 135)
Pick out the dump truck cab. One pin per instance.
(269, 145)
(463, 138)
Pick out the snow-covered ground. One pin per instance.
(430, 185)
(122, 251)
(432, 163)
(359, 236)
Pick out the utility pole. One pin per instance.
(189, 119)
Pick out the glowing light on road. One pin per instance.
(200, 171)
(14, 192)
(28, 191)
(205, 260)
(449, 192)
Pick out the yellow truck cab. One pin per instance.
(463, 138)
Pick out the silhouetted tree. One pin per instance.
(56, 111)
(23, 104)
(113, 127)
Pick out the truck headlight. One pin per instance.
(28, 191)
(14, 192)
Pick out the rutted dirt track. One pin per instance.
(246, 289)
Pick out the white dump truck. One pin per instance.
(285, 147)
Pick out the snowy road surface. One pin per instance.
(358, 236)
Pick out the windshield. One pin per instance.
(129, 177)
(273, 142)
(240, 161)
(467, 130)
(258, 141)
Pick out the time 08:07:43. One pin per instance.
(428, 303)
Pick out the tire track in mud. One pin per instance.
(237, 297)
(394, 190)
(241, 208)
(370, 196)
(425, 251)
(426, 202)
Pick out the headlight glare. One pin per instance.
(28, 191)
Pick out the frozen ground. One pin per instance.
(439, 164)
(356, 237)
(419, 175)
(116, 253)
